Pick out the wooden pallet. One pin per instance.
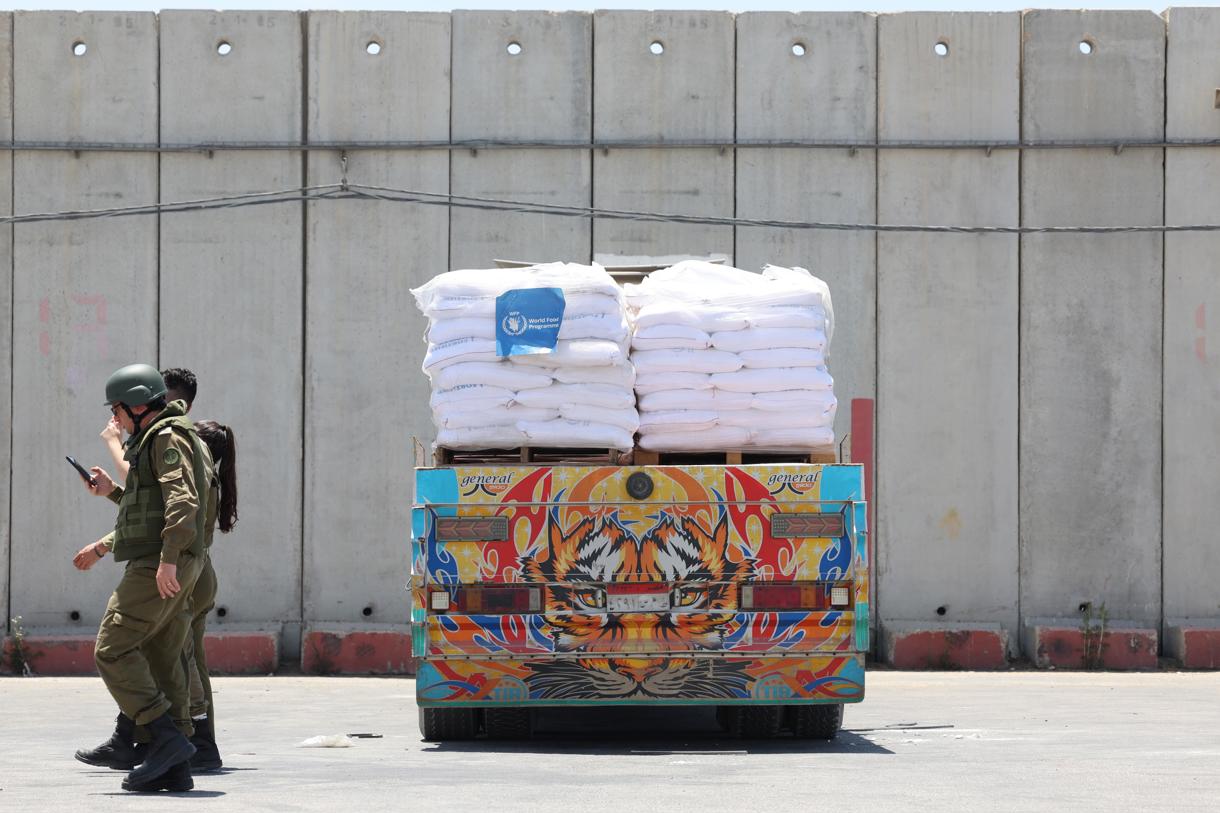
(735, 457)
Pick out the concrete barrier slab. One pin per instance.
(1115, 90)
(663, 76)
(1091, 350)
(1191, 563)
(521, 76)
(364, 335)
(6, 307)
(84, 292)
(231, 281)
(947, 384)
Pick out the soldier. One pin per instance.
(160, 534)
(182, 385)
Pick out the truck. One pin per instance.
(738, 585)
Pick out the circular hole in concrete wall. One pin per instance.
(221, 612)
(941, 610)
(656, 48)
(1086, 46)
(74, 615)
(79, 48)
(1085, 606)
(224, 48)
(798, 49)
(941, 48)
(373, 48)
(514, 48)
(367, 611)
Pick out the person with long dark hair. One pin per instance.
(222, 511)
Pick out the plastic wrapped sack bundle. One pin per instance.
(496, 385)
(728, 359)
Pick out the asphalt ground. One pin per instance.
(938, 741)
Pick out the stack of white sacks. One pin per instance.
(728, 359)
(581, 394)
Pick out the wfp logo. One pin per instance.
(514, 323)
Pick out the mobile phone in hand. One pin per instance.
(86, 476)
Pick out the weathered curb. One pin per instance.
(230, 652)
(340, 649)
(1195, 644)
(1065, 644)
(931, 645)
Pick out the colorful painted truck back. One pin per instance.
(738, 586)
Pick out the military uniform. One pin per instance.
(161, 519)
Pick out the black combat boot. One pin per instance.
(176, 780)
(207, 755)
(119, 752)
(168, 747)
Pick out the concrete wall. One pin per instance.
(1048, 413)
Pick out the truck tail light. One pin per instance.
(489, 600)
(794, 596)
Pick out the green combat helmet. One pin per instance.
(134, 385)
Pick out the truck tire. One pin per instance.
(507, 724)
(752, 722)
(817, 722)
(438, 725)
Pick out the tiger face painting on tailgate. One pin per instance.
(692, 594)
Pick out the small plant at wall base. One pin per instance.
(17, 655)
(1093, 636)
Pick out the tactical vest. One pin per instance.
(137, 531)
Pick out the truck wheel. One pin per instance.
(817, 722)
(438, 725)
(507, 724)
(752, 722)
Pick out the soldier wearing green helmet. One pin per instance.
(159, 533)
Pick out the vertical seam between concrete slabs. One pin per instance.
(736, 181)
(1017, 644)
(1164, 268)
(160, 200)
(449, 152)
(875, 530)
(7, 541)
(304, 182)
(592, 130)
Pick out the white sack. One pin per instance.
(473, 292)
(495, 416)
(715, 439)
(618, 375)
(626, 419)
(782, 357)
(788, 438)
(678, 420)
(456, 351)
(575, 433)
(495, 374)
(440, 413)
(785, 378)
(658, 382)
(759, 420)
(469, 392)
(491, 437)
(784, 400)
(576, 353)
(684, 361)
(558, 395)
(717, 400)
(766, 338)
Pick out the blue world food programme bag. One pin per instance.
(528, 320)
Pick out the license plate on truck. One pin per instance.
(637, 598)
